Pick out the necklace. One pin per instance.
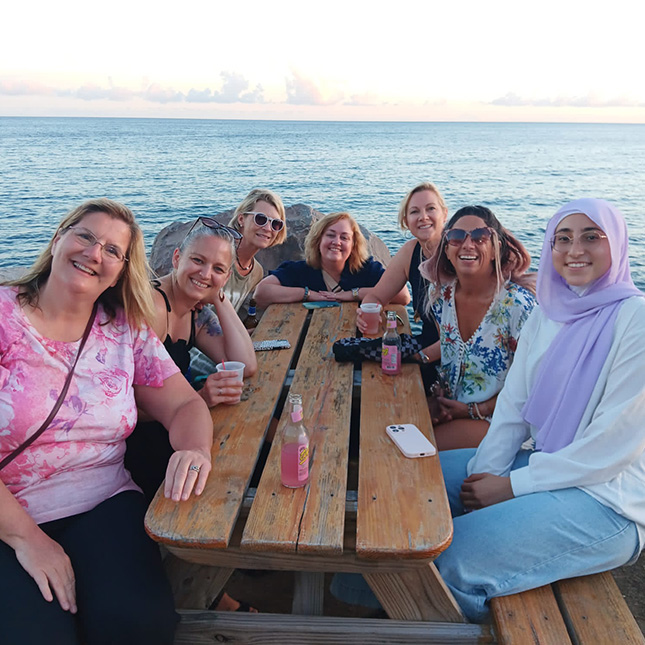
(248, 268)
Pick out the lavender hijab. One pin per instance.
(571, 365)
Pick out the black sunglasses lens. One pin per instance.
(277, 225)
(480, 235)
(455, 236)
(261, 219)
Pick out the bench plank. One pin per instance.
(596, 612)
(239, 434)
(313, 515)
(207, 627)
(529, 617)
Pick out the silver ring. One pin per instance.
(220, 391)
(195, 468)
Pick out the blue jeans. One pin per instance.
(522, 543)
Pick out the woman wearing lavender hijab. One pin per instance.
(573, 505)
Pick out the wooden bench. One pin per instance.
(580, 611)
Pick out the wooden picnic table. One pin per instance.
(390, 529)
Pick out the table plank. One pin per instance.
(208, 521)
(408, 493)
(311, 518)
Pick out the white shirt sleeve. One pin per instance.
(611, 435)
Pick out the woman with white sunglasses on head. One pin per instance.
(261, 220)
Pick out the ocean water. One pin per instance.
(168, 169)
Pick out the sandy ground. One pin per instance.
(272, 592)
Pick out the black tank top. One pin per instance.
(179, 350)
(429, 333)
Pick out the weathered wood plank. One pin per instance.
(239, 433)
(205, 628)
(418, 594)
(408, 492)
(530, 617)
(194, 586)
(308, 593)
(596, 612)
(311, 519)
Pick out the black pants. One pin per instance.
(122, 594)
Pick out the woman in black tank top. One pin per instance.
(423, 212)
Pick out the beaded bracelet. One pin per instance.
(474, 413)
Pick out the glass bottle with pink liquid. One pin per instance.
(391, 347)
(294, 457)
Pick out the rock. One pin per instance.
(299, 220)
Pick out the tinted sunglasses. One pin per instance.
(261, 219)
(214, 224)
(457, 236)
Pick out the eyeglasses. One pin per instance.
(215, 225)
(261, 219)
(563, 242)
(87, 239)
(457, 236)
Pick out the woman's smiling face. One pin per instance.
(580, 250)
(471, 258)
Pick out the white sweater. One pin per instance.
(606, 458)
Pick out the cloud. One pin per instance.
(234, 90)
(590, 100)
(364, 100)
(23, 88)
(305, 91)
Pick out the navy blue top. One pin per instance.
(300, 274)
(429, 332)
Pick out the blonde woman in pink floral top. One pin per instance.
(76, 563)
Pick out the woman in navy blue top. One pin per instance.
(336, 267)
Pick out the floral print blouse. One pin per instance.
(77, 463)
(476, 368)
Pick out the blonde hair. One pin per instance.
(403, 208)
(248, 204)
(359, 253)
(132, 292)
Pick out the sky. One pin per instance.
(350, 60)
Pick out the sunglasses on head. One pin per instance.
(214, 224)
(261, 219)
(457, 236)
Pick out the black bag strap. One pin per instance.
(27, 442)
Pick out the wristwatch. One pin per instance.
(355, 294)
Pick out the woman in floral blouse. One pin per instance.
(480, 305)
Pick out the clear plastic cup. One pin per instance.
(232, 366)
(372, 316)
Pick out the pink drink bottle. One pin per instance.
(391, 348)
(294, 458)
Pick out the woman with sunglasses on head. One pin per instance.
(201, 266)
(337, 267)
(573, 505)
(77, 565)
(260, 219)
(480, 305)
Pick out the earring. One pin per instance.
(221, 295)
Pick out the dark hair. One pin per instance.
(511, 259)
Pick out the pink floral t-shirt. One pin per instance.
(77, 463)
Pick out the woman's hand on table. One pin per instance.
(48, 564)
(222, 387)
(187, 471)
(317, 296)
(484, 489)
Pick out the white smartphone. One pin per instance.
(410, 440)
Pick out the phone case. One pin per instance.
(320, 304)
(410, 440)
(265, 345)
